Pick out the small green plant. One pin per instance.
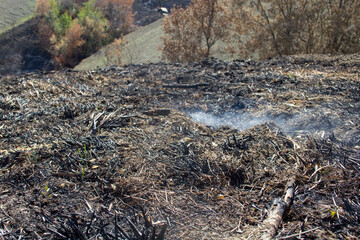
(46, 192)
(80, 154)
(33, 157)
(83, 154)
(332, 213)
(339, 212)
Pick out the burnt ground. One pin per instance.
(202, 148)
(20, 51)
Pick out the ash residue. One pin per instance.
(81, 149)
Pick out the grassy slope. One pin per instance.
(142, 47)
(15, 12)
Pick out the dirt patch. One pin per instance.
(82, 153)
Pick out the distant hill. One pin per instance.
(15, 12)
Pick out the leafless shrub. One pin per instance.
(275, 28)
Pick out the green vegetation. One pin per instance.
(73, 30)
(83, 163)
(33, 157)
(15, 12)
(140, 46)
(46, 193)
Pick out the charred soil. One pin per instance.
(20, 50)
(97, 155)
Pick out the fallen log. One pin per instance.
(277, 211)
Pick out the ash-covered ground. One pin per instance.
(201, 148)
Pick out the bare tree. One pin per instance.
(191, 33)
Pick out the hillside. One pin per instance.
(141, 46)
(21, 53)
(15, 12)
(208, 150)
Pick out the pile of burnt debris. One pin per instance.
(209, 150)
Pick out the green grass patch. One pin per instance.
(15, 12)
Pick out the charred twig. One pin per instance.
(89, 225)
(240, 144)
(56, 232)
(103, 233)
(135, 230)
(147, 222)
(161, 235)
(185, 85)
(117, 227)
(77, 232)
(157, 112)
(297, 234)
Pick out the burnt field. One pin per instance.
(198, 151)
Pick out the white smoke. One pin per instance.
(240, 121)
(316, 122)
